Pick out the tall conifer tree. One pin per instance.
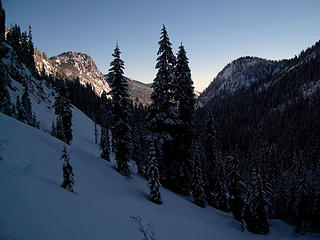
(153, 176)
(121, 113)
(184, 98)
(198, 194)
(210, 143)
(256, 213)
(62, 108)
(104, 144)
(163, 115)
(236, 186)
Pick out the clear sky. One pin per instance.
(213, 32)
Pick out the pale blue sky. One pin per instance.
(213, 32)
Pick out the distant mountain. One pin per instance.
(246, 71)
(71, 65)
(240, 73)
(139, 92)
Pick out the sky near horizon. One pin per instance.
(213, 32)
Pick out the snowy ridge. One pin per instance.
(240, 73)
(245, 71)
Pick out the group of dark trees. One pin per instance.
(22, 45)
(159, 138)
(170, 117)
(271, 134)
(249, 157)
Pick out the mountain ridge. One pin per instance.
(245, 71)
(70, 65)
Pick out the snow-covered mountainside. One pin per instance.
(245, 71)
(72, 65)
(240, 73)
(41, 95)
(33, 205)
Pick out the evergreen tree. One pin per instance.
(62, 108)
(304, 206)
(121, 111)
(30, 53)
(104, 144)
(198, 194)
(140, 141)
(256, 212)
(95, 133)
(2, 23)
(21, 115)
(163, 115)
(153, 176)
(67, 170)
(14, 39)
(315, 223)
(220, 192)
(184, 98)
(210, 143)
(138, 154)
(236, 187)
(59, 129)
(26, 104)
(5, 103)
(53, 130)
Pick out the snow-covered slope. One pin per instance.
(33, 205)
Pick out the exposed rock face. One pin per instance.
(71, 65)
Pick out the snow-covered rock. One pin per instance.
(72, 65)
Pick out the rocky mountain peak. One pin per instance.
(71, 65)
